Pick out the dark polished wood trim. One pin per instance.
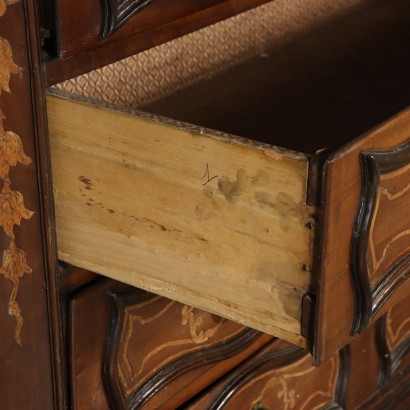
(216, 353)
(56, 308)
(392, 396)
(58, 70)
(276, 360)
(369, 299)
(343, 378)
(119, 300)
(390, 360)
(118, 12)
(254, 369)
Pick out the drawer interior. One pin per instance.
(317, 92)
(215, 214)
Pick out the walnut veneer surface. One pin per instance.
(179, 235)
(47, 348)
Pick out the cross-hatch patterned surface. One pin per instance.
(159, 71)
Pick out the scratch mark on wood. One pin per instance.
(273, 155)
(206, 174)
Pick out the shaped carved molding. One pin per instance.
(117, 12)
(12, 210)
(380, 253)
(393, 340)
(285, 379)
(136, 366)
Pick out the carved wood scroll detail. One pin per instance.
(381, 238)
(132, 378)
(117, 12)
(12, 210)
(282, 379)
(393, 340)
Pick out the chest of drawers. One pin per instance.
(274, 194)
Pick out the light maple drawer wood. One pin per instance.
(254, 231)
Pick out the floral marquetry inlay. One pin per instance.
(11, 152)
(381, 240)
(195, 330)
(154, 343)
(282, 390)
(4, 4)
(12, 210)
(7, 65)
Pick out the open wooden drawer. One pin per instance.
(255, 231)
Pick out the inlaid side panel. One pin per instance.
(14, 265)
(29, 369)
(281, 377)
(381, 240)
(156, 351)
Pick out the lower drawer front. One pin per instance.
(131, 349)
(370, 373)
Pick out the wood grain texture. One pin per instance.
(381, 238)
(158, 352)
(341, 198)
(12, 210)
(393, 340)
(282, 377)
(365, 368)
(384, 383)
(395, 396)
(213, 221)
(159, 22)
(29, 374)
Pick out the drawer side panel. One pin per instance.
(215, 224)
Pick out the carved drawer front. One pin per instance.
(393, 342)
(380, 363)
(97, 32)
(254, 228)
(372, 372)
(131, 349)
(281, 376)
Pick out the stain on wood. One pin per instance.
(235, 246)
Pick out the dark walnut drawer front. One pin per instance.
(134, 350)
(372, 372)
(257, 232)
(92, 33)
(130, 349)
